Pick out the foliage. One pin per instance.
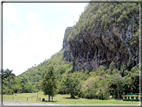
(67, 32)
(119, 82)
(101, 16)
(101, 70)
(48, 83)
(23, 81)
(97, 87)
(8, 75)
(71, 85)
(100, 83)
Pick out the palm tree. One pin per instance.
(23, 81)
(8, 75)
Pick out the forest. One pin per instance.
(100, 82)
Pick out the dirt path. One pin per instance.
(31, 104)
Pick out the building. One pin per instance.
(132, 97)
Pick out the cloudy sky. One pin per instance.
(32, 32)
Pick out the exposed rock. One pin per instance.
(91, 49)
(67, 53)
(94, 47)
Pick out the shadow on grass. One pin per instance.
(49, 101)
(70, 98)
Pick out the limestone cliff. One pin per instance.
(101, 37)
(67, 52)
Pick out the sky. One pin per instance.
(33, 32)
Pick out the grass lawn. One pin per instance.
(59, 99)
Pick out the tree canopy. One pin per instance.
(49, 83)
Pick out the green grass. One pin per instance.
(59, 99)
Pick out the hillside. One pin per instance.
(36, 74)
(106, 32)
(101, 48)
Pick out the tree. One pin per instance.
(111, 68)
(122, 70)
(23, 81)
(101, 70)
(104, 85)
(37, 78)
(134, 81)
(119, 81)
(49, 84)
(71, 85)
(38, 85)
(8, 75)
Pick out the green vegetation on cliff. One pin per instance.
(106, 32)
(67, 32)
(105, 78)
(103, 15)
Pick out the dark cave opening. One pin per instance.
(105, 56)
(134, 63)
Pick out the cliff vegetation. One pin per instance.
(100, 55)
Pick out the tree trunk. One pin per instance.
(118, 90)
(23, 88)
(118, 93)
(72, 95)
(49, 98)
(101, 93)
(52, 98)
(7, 87)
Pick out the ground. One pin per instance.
(59, 99)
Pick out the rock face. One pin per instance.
(67, 53)
(94, 47)
(90, 51)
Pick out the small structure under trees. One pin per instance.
(132, 97)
